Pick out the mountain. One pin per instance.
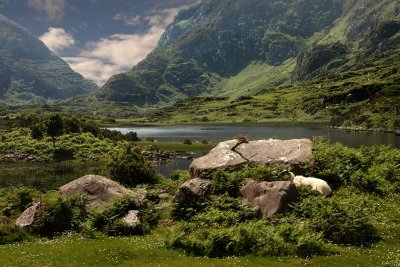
(242, 47)
(30, 72)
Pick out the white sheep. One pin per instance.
(315, 184)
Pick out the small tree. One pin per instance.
(129, 167)
(54, 127)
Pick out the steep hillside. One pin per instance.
(224, 47)
(30, 73)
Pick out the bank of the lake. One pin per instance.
(220, 132)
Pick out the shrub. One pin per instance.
(263, 173)
(130, 168)
(242, 138)
(226, 182)
(255, 237)
(366, 182)
(10, 233)
(338, 221)
(21, 198)
(187, 141)
(109, 220)
(60, 214)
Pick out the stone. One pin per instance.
(98, 190)
(193, 189)
(222, 157)
(233, 155)
(132, 218)
(29, 215)
(274, 151)
(271, 197)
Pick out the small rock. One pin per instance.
(29, 215)
(132, 218)
(192, 189)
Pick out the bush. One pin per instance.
(10, 233)
(109, 220)
(339, 222)
(368, 169)
(60, 214)
(257, 238)
(187, 141)
(21, 198)
(130, 168)
(242, 138)
(224, 182)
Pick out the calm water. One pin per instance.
(46, 176)
(276, 130)
(53, 175)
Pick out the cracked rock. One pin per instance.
(233, 155)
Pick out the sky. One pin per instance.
(97, 38)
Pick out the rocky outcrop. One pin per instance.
(310, 62)
(29, 215)
(193, 189)
(98, 190)
(232, 155)
(270, 197)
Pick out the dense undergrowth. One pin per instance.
(362, 180)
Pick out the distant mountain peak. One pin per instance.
(30, 72)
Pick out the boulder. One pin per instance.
(132, 218)
(98, 190)
(28, 216)
(233, 155)
(222, 156)
(270, 197)
(193, 189)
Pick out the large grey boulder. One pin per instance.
(223, 156)
(233, 155)
(98, 190)
(270, 197)
(193, 189)
(29, 215)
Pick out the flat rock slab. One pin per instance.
(270, 197)
(98, 190)
(233, 155)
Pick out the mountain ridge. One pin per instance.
(30, 72)
(216, 40)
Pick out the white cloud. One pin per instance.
(133, 21)
(53, 8)
(57, 39)
(119, 52)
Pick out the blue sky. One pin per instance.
(97, 38)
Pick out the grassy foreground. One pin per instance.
(149, 250)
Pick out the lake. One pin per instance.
(264, 131)
(52, 175)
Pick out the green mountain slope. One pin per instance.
(312, 60)
(30, 73)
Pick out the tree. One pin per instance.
(130, 168)
(54, 127)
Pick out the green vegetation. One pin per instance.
(30, 73)
(355, 223)
(127, 166)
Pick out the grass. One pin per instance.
(178, 146)
(149, 250)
